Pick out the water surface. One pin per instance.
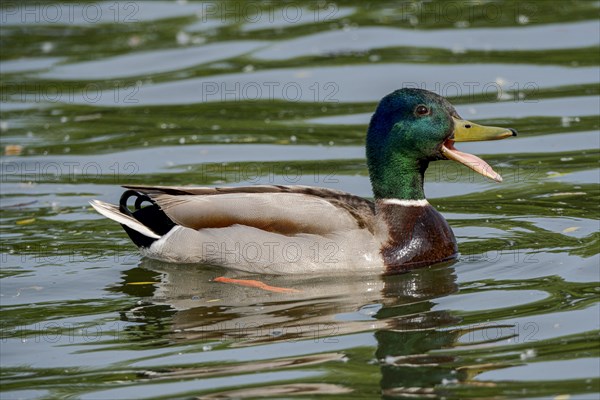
(238, 93)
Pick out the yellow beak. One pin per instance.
(465, 131)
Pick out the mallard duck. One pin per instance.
(301, 229)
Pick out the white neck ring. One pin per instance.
(406, 203)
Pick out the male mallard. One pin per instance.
(300, 229)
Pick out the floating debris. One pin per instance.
(13, 150)
(566, 121)
(562, 397)
(47, 47)
(134, 41)
(563, 194)
(183, 38)
(527, 354)
(88, 117)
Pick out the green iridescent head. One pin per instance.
(409, 129)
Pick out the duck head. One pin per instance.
(409, 129)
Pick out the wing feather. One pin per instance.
(283, 209)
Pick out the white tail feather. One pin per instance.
(112, 212)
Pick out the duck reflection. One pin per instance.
(414, 330)
(324, 306)
(242, 316)
(398, 309)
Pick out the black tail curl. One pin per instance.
(151, 216)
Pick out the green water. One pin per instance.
(100, 94)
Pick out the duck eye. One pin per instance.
(421, 110)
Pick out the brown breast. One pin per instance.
(418, 236)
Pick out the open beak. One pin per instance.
(465, 131)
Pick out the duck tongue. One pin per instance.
(469, 160)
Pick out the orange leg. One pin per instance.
(256, 284)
